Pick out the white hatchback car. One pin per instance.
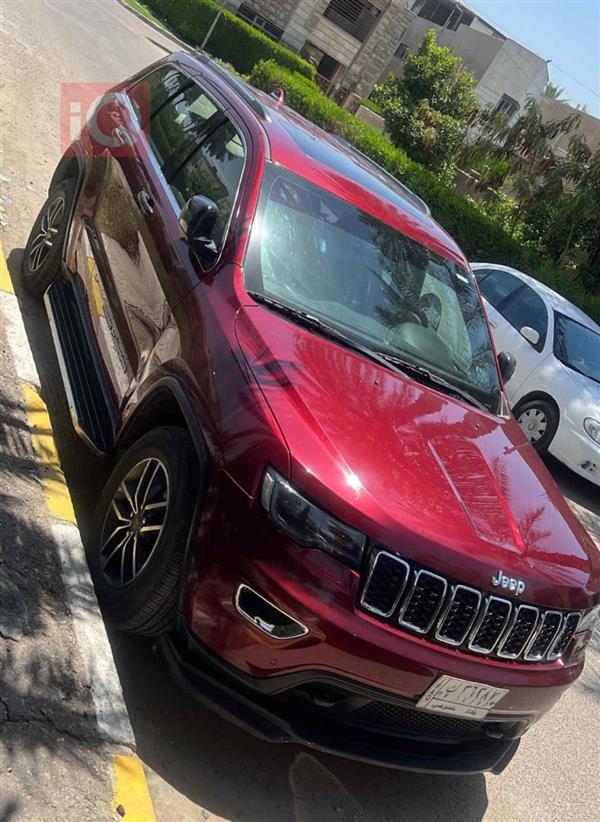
(555, 389)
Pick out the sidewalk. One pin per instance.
(66, 744)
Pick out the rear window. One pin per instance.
(496, 286)
(179, 124)
(151, 93)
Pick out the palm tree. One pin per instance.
(554, 92)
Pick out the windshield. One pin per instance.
(577, 347)
(318, 254)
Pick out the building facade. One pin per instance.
(351, 42)
(588, 127)
(357, 43)
(507, 73)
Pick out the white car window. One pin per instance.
(496, 286)
(526, 308)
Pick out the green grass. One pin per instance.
(145, 11)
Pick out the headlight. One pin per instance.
(589, 620)
(592, 429)
(308, 525)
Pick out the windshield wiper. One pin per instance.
(392, 363)
(425, 375)
(310, 321)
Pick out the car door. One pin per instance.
(513, 305)
(133, 227)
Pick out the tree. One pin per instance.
(573, 229)
(554, 92)
(426, 110)
(518, 156)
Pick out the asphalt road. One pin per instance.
(198, 766)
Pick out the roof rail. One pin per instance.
(236, 84)
(410, 195)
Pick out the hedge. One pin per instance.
(480, 237)
(233, 40)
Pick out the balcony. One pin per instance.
(355, 17)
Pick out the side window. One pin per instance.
(527, 308)
(497, 285)
(214, 170)
(151, 93)
(178, 125)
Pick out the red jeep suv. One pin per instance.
(322, 506)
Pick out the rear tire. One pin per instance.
(42, 260)
(538, 419)
(140, 530)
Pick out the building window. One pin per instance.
(357, 17)
(443, 12)
(508, 106)
(250, 16)
(401, 52)
(326, 65)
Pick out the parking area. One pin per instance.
(196, 765)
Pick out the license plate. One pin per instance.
(460, 697)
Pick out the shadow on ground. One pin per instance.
(47, 719)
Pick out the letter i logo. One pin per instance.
(74, 118)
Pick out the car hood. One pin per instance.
(429, 476)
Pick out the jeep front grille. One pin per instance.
(422, 602)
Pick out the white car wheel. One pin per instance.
(534, 424)
(538, 419)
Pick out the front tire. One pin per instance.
(42, 260)
(140, 531)
(538, 419)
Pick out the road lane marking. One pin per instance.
(94, 649)
(131, 798)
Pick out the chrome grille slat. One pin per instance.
(497, 612)
(450, 613)
(545, 636)
(394, 597)
(457, 611)
(568, 628)
(424, 601)
(516, 638)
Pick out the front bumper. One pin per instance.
(578, 452)
(271, 686)
(328, 713)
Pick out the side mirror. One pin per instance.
(530, 334)
(507, 363)
(197, 219)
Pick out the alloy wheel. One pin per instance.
(134, 522)
(533, 423)
(49, 228)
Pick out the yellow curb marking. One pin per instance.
(5, 280)
(53, 479)
(130, 790)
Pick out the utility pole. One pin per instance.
(212, 26)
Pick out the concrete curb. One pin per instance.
(112, 717)
(181, 44)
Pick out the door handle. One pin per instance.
(146, 202)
